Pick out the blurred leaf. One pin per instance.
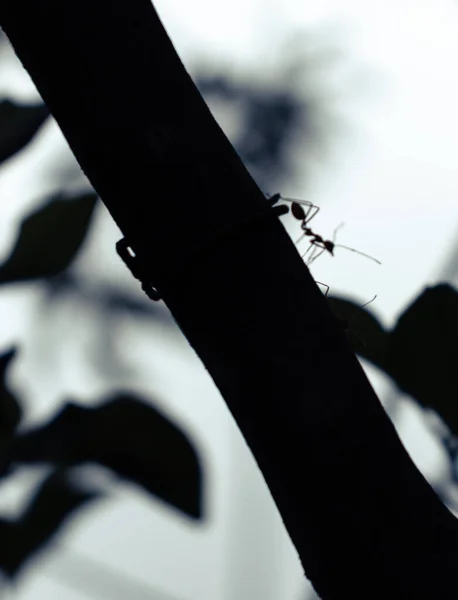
(53, 503)
(18, 125)
(271, 117)
(49, 239)
(270, 122)
(128, 436)
(421, 352)
(10, 411)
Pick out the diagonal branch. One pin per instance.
(363, 519)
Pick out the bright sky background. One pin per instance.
(390, 174)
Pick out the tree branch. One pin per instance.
(363, 519)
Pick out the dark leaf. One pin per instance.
(128, 436)
(423, 352)
(10, 411)
(363, 330)
(54, 502)
(18, 125)
(49, 239)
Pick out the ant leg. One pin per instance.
(316, 210)
(316, 255)
(301, 237)
(307, 232)
(312, 246)
(324, 285)
(310, 212)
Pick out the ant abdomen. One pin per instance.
(297, 211)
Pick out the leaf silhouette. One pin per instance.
(129, 437)
(10, 411)
(421, 352)
(56, 499)
(365, 333)
(18, 125)
(49, 239)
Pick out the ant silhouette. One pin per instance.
(282, 210)
(305, 215)
(317, 241)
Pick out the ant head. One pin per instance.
(329, 246)
(297, 211)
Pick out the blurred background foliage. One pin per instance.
(123, 433)
(127, 434)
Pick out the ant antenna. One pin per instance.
(352, 249)
(334, 245)
(358, 252)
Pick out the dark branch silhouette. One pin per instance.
(363, 519)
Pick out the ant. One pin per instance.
(316, 241)
(305, 216)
